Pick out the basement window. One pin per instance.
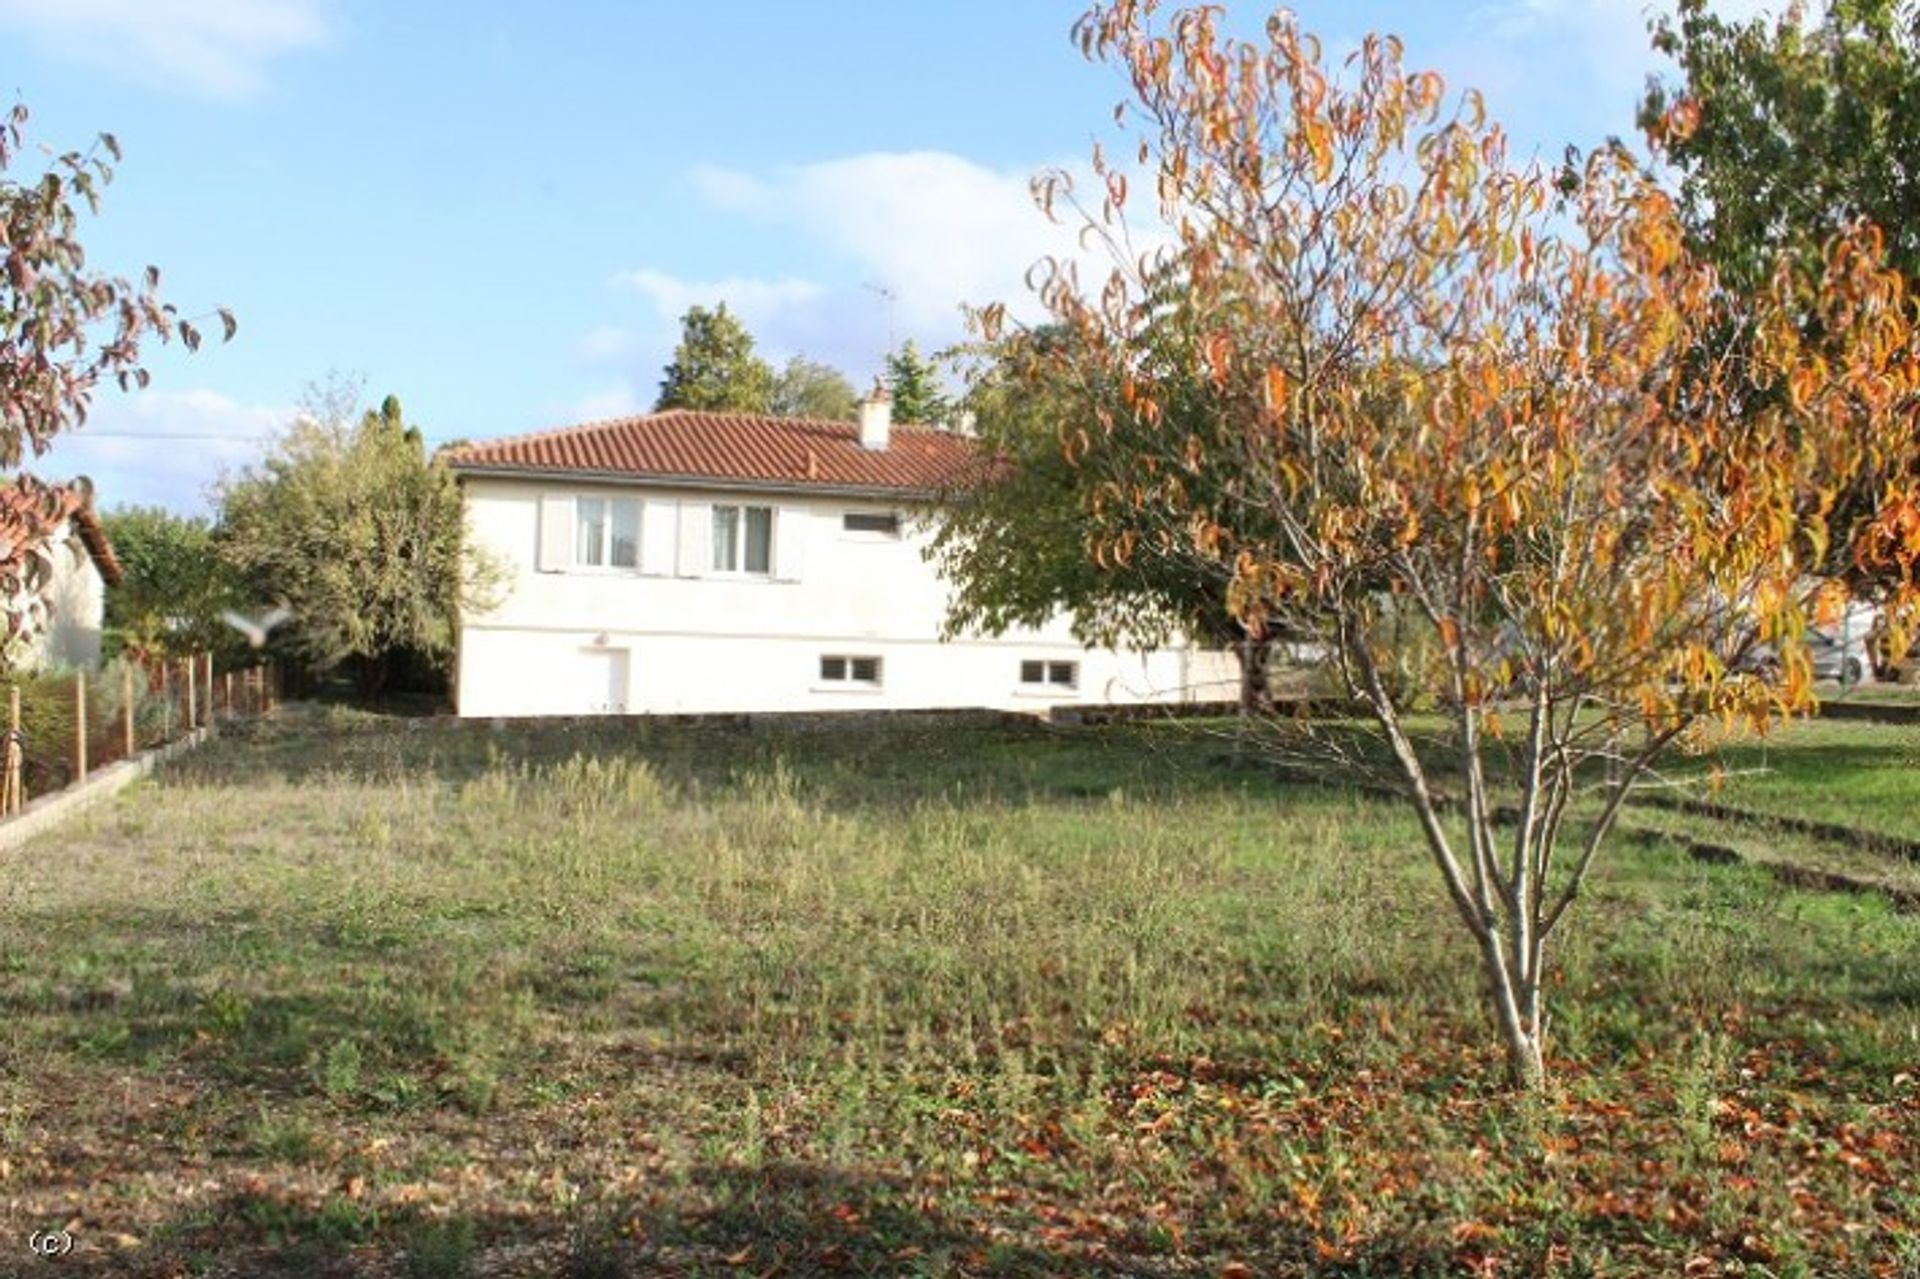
(837, 669)
(1063, 675)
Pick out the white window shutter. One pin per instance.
(556, 532)
(789, 543)
(696, 539)
(659, 534)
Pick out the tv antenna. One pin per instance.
(888, 296)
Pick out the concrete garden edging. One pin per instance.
(1874, 712)
(48, 811)
(1872, 841)
(1906, 901)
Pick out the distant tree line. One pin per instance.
(716, 368)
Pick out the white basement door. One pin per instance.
(602, 689)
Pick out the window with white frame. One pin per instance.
(839, 669)
(874, 523)
(606, 532)
(1056, 675)
(743, 539)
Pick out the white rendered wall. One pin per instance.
(592, 640)
(76, 603)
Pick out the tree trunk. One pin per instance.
(1520, 1025)
(1256, 687)
(370, 675)
(1513, 997)
(1476, 890)
(1526, 1060)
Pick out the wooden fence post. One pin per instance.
(166, 702)
(12, 789)
(193, 700)
(208, 659)
(226, 683)
(79, 726)
(126, 706)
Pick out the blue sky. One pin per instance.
(497, 210)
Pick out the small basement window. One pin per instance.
(885, 523)
(1056, 674)
(850, 670)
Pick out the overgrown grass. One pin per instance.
(340, 994)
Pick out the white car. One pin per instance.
(1842, 650)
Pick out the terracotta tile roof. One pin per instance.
(776, 452)
(86, 522)
(31, 508)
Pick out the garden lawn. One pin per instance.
(350, 996)
(1849, 772)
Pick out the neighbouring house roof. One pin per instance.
(735, 450)
(32, 504)
(86, 522)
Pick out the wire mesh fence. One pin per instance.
(64, 725)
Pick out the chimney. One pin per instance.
(876, 418)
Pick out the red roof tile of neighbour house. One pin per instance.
(86, 522)
(31, 510)
(718, 448)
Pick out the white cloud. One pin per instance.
(750, 299)
(1576, 65)
(219, 48)
(161, 447)
(608, 342)
(728, 188)
(618, 400)
(933, 228)
(1622, 21)
(897, 242)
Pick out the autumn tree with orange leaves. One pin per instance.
(64, 328)
(1498, 396)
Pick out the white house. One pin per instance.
(79, 564)
(700, 562)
